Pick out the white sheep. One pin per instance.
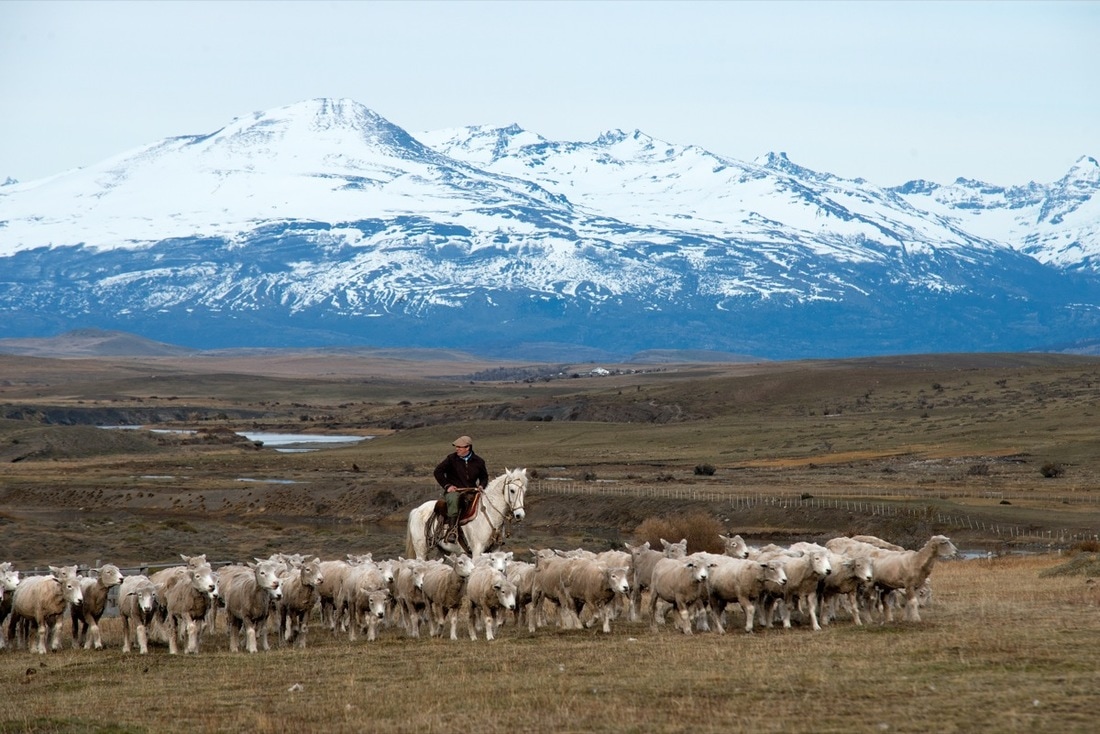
(680, 582)
(184, 596)
(86, 615)
(804, 570)
(444, 587)
(490, 594)
(40, 601)
(9, 579)
(409, 599)
(249, 591)
(550, 568)
(642, 560)
(522, 574)
(333, 575)
(905, 570)
(588, 583)
(742, 581)
(300, 583)
(137, 606)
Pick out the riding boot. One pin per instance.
(450, 530)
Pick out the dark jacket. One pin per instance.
(462, 474)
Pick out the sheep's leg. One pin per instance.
(489, 626)
(784, 612)
(192, 635)
(55, 635)
(94, 637)
(142, 638)
(606, 614)
(170, 628)
(685, 618)
(912, 602)
(250, 636)
(811, 604)
(43, 630)
(853, 607)
(749, 608)
(125, 633)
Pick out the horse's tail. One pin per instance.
(410, 549)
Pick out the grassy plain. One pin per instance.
(1007, 440)
(1001, 648)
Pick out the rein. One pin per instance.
(498, 530)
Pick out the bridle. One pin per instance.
(508, 504)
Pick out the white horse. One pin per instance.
(501, 501)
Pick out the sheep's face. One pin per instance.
(675, 550)
(497, 559)
(9, 580)
(463, 565)
(820, 564)
(506, 594)
(863, 568)
(267, 578)
(376, 603)
(387, 569)
(147, 599)
(775, 575)
(618, 579)
(311, 574)
(698, 570)
(109, 575)
(944, 547)
(202, 581)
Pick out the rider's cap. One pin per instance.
(462, 441)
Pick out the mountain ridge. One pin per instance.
(321, 223)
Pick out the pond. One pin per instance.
(281, 442)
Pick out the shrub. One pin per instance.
(700, 529)
(705, 470)
(1051, 470)
(978, 470)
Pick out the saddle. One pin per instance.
(469, 502)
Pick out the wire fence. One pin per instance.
(857, 501)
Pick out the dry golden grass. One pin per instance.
(1000, 649)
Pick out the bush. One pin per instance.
(704, 470)
(978, 470)
(700, 529)
(1050, 470)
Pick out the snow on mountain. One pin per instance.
(322, 160)
(1057, 224)
(321, 222)
(646, 182)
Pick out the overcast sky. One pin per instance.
(1006, 92)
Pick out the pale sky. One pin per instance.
(1006, 92)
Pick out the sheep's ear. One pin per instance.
(186, 559)
(252, 565)
(55, 571)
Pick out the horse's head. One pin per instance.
(515, 487)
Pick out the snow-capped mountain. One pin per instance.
(323, 223)
(1057, 224)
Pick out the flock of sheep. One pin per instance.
(862, 576)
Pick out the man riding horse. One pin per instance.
(460, 470)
